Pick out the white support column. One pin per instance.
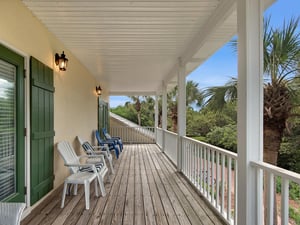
(156, 117)
(181, 112)
(164, 121)
(250, 108)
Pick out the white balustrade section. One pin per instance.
(212, 171)
(278, 183)
(159, 137)
(170, 147)
(134, 134)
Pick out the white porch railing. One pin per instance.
(170, 145)
(212, 171)
(159, 137)
(285, 182)
(134, 134)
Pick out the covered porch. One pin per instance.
(146, 189)
(137, 48)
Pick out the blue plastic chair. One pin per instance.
(112, 145)
(108, 137)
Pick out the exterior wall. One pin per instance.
(75, 100)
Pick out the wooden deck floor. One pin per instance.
(146, 190)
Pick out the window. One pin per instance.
(7, 129)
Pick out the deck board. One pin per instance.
(145, 190)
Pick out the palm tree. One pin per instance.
(281, 60)
(137, 105)
(193, 96)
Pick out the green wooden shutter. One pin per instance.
(42, 129)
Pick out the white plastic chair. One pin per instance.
(11, 213)
(82, 173)
(97, 150)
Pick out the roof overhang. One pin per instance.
(134, 47)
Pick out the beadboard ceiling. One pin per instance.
(133, 47)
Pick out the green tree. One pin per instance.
(202, 122)
(281, 48)
(224, 137)
(126, 111)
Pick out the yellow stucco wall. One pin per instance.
(75, 100)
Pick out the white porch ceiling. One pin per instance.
(132, 47)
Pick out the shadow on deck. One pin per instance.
(146, 189)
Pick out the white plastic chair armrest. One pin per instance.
(83, 165)
(104, 153)
(96, 157)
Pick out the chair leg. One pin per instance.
(75, 189)
(101, 184)
(87, 194)
(111, 165)
(64, 195)
(96, 188)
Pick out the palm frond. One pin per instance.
(217, 97)
(281, 50)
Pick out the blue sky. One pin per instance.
(208, 74)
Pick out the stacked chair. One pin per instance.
(107, 136)
(97, 150)
(112, 144)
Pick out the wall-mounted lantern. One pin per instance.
(61, 61)
(98, 90)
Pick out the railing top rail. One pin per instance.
(277, 171)
(218, 149)
(136, 126)
(170, 132)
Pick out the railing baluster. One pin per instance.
(260, 196)
(205, 172)
(195, 165)
(270, 197)
(198, 150)
(217, 180)
(201, 169)
(190, 161)
(229, 185)
(184, 156)
(223, 184)
(284, 201)
(235, 191)
(212, 176)
(208, 183)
